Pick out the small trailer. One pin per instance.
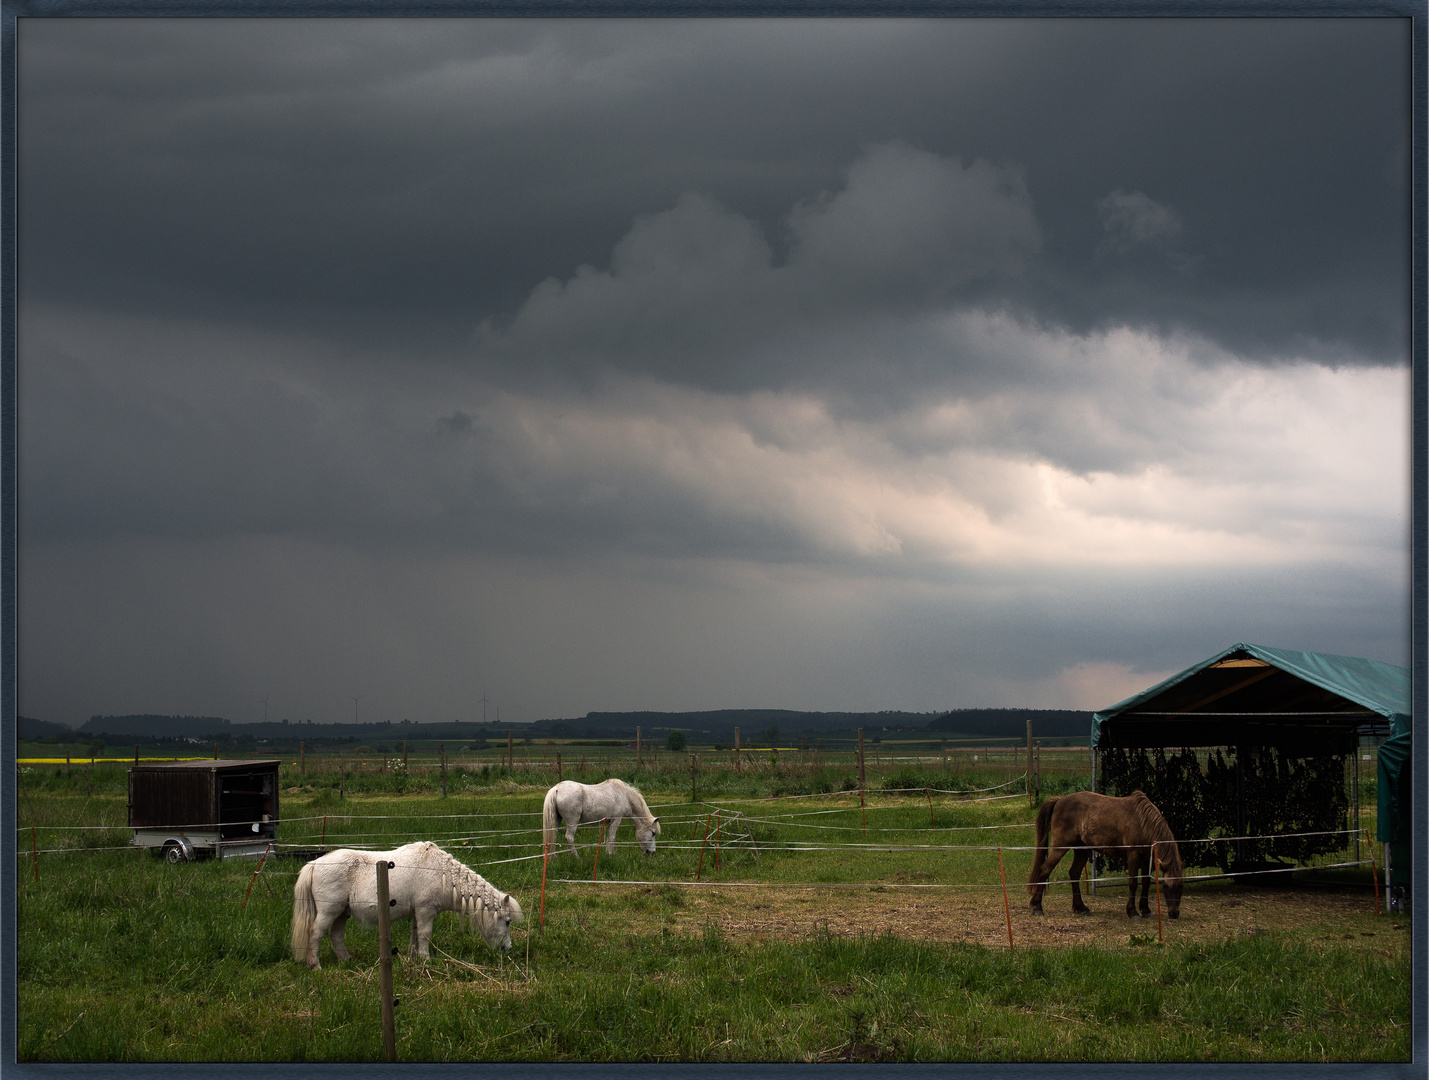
(190, 809)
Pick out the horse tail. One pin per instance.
(549, 818)
(305, 910)
(1044, 826)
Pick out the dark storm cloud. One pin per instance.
(879, 363)
(408, 179)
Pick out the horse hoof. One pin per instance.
(1081, 911)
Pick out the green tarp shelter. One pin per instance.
(1252, 695)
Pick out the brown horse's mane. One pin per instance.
(1155, 825)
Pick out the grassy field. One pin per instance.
(827, 931)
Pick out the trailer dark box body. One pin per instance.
(220, 807)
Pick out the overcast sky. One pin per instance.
(692, 364)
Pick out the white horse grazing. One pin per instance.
(576, 804)
(422, 881)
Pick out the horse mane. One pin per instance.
(637, 800)
(1154, 822)
(480, 887)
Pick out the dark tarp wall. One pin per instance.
(1396, 804)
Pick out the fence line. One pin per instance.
(794, 847)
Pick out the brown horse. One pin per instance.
(1130, 828)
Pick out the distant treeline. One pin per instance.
(173, 727)
(27, 728)
(718, 724)
(1046, 723)
(752, 723)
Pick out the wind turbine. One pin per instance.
(356, 698)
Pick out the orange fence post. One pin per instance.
(718, 820)
(1155, 869)
(544, 862)
(255, 876)
(863, 811)
(699, 869)
(1006, 907)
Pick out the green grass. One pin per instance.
(124, 958)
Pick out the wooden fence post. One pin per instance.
(384, 958)
(1028, 771)
(510, 758)
(341, 774)
(736, 749)
(1037, 782)
(639, 760)
(442, 750)
(560, 773)
(860, 759)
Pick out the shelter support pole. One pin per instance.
(1355, 790)
(1388, 872)
(1239, 804)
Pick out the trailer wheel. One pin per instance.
(174, 853)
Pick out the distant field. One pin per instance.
(820, 929)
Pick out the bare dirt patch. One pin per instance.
(1339, 917)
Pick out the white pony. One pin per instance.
(576, 804)
(423, 881)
